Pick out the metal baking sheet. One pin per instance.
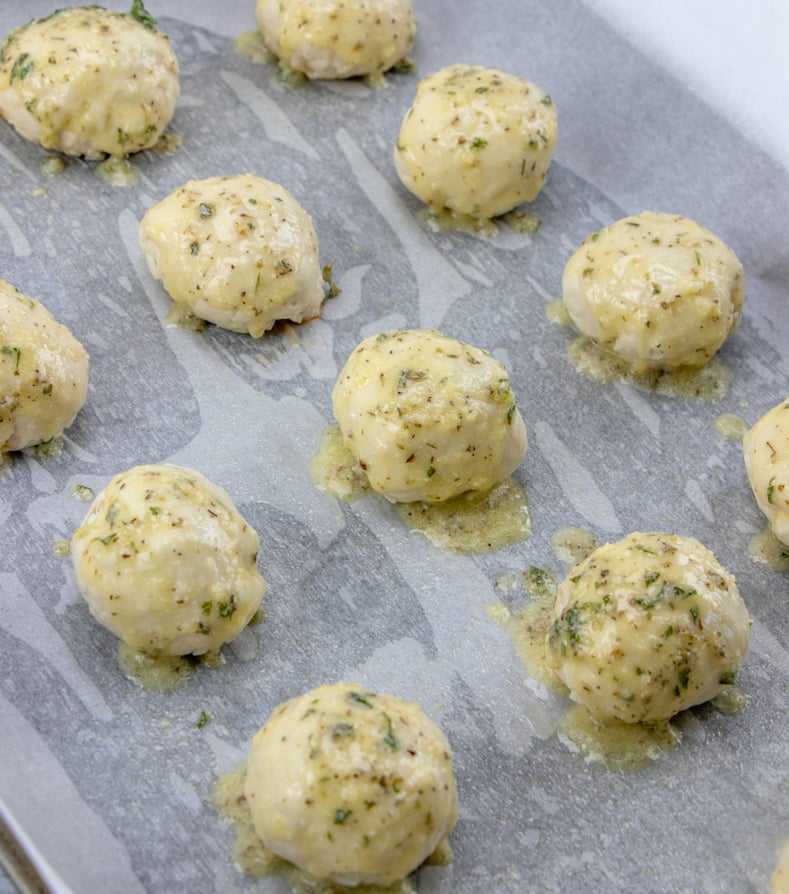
(107, 784)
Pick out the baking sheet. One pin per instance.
(108, 782)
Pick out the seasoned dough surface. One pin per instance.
(335, 39)
(351, 785)
(476, 141)
(43, 372)
(89, 81)
(647, 627)
(656, 289)
(766, 453)
(166, 563)
(238, 251)
(428, 417)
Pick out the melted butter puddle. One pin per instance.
(335, 471)
(468, 524)
(168, 143)
(117, 170)
(730, 426)
(766, 549)
(445, 221)
(251, 47)
(179, 316)
(619, 746)
(163, 673)
(710, 382)
(50, 449)
(254, 858)
(472, 525)
(52, 165)
(556, 312)
(573, 545)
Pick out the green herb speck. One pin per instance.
(12, 351)
(227, 609)
(141, 14)
(21, 67)
(358, 699)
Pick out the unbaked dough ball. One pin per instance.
(165, 562)
(89, 81)
(476, 141)
(647, 627)
(337, 38)
(428, 417)
(43, 372)
(657, 290)
(351, 786)
(238, 251)
(766, 451)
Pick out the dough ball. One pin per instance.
(428, 417)
(766, 452)
(165, 562)
(89, 81)
(476, 141)
(647, 627)
(237, 251)
(43, 372)
(351, 786)
(657, 290)
(337, 38)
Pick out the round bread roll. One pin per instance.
(166, 563)
(428, 417)
(334, 39)
(351, 786)
(647, 627)
(657, 290)
(238, 251)
(89, 81)
(43, 372)
(476, 141)
(766, 451)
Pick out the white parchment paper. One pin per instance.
(108, 782)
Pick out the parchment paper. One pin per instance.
(108, 783)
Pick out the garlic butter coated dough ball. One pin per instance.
(43, 372)
(476, 141)
(238, 251)
(337, 38)
(766, 452)
(647, 627)
(351, 786)
(165, 562)
(658, 290)
(428, 417)
(89, 81)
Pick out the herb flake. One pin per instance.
(21, 67)
(141, 14)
